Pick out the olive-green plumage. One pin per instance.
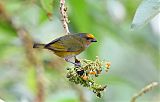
(69, 45)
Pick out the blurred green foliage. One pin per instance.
(134, 54)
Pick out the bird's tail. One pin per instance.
(36, 45)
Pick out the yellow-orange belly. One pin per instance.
(65, 54)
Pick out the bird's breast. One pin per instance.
(67, 54)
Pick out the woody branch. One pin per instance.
(144, 90)
(64, 19)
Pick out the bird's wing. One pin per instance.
(67, 43)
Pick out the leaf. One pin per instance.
(145, 12)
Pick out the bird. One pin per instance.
(68, 46)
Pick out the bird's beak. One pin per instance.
(94, 40)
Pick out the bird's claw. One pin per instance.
(76, 63)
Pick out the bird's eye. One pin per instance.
(87, 38)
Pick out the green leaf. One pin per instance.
(145, 12)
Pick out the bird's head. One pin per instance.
(87, 38)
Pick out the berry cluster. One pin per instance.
(86, 73)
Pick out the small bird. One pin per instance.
(68, 46)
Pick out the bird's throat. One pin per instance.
(87, 44)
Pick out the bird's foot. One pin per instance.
(77, 64)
